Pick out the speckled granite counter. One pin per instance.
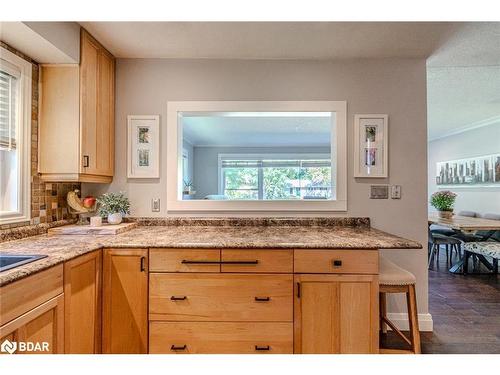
(350, 233)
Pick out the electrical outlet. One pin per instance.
(379, 192)
(155, 205)
(396, 191)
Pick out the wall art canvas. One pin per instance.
(477, 171)
(143, 151)
(371, 146)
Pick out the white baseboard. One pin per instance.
(400, 320)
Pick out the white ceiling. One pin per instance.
(462, 98)
(270, 40)
(257, 131)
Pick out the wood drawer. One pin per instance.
(220, 297)
(336, 261)
(264, 261)
(184, 260)
(220, 338)
(23, 295)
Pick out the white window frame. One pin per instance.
(175, 203)
(23, 139)
(277, 155)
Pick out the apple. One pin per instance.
(88, 202)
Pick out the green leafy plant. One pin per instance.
(443, 200)
(112, 203)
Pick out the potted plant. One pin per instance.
(113, 206)
(188, 187)
(443, 201)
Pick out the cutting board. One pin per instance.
(105, 229)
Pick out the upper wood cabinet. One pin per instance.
(82, 304)
(125, 301)
(77, 117)
(336, 314)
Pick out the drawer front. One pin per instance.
(23, 295)
(184, 260)
(260, 261)
(220, 338)
(219, 297)
(336, 261)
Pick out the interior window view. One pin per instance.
(249, 188)
(257, 156)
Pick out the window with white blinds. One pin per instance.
(15, 137)
(8, 109)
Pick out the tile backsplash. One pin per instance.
(48, 200)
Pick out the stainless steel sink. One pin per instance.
(8, 261)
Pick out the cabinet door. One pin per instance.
(125, 301)
(336, 314)
(82, 304)
(104, 158)
(42, 328)
(89, 61)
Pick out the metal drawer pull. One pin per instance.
(267, 347)
(337, 263)
(184, 261)
(240, 262)
(262, 299)
(200, 261)
(174, 298)
(183, 347)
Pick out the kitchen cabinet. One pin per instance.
(32, 311)
(125, 301)
(77, 107)
(82, 304)
(336, 314)
(41, 329)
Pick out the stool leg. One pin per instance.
(383, 311)
(447, 255)
(411, 300)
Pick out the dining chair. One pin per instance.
(434, 245)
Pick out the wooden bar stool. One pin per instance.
(394, 279)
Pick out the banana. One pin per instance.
(75, 203)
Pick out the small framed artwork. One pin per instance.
(143, 146)
(371, 139)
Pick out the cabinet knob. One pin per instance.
(174, 347)
(337, 263)
(86, 161)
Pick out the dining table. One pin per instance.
(469, 225)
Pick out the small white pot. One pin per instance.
(115, 218)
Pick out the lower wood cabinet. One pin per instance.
(125, 301)
(40, 329)
(82, 304)
(220, 297)
(336, 314)
(220, 338)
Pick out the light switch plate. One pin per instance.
(379, 192)
(155, 205)
(396, 191)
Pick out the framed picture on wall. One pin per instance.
(371, 146)
(143, 146)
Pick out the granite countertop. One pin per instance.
(60, 248)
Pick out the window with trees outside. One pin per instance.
(275, 177)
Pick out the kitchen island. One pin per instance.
(204, 286)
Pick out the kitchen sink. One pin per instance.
(8, 261)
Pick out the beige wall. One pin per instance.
(476, 142)
(395, 87)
